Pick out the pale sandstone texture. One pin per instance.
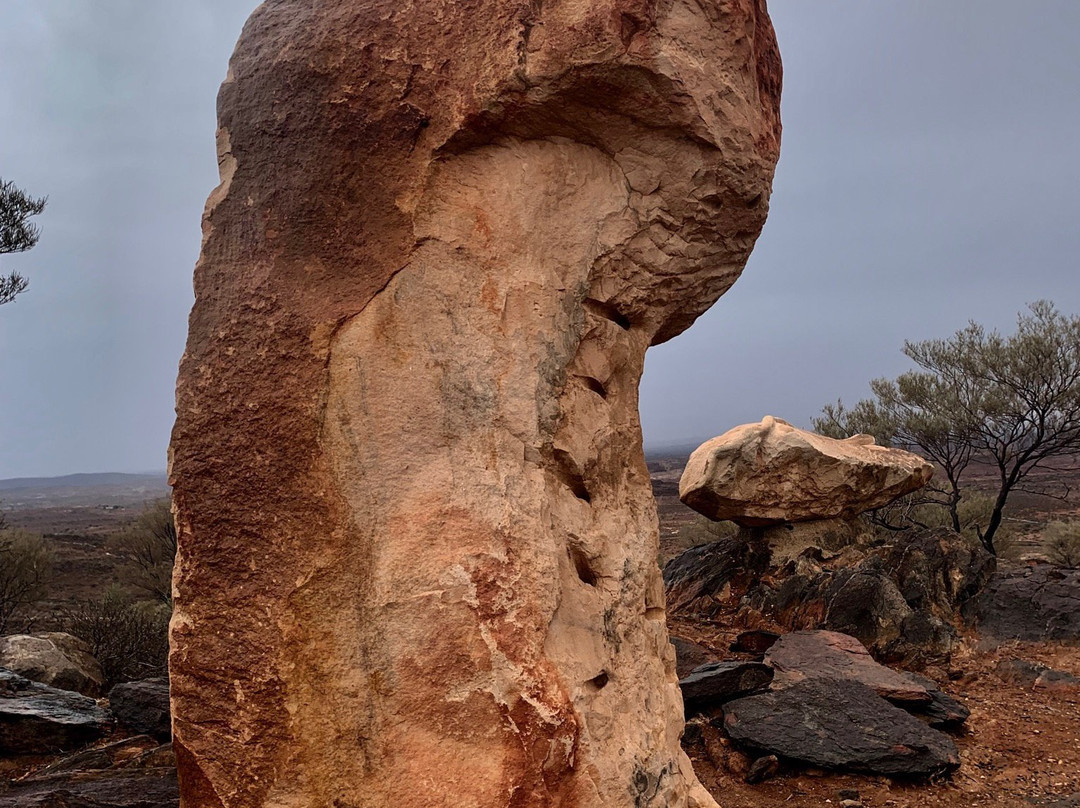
(764, 474)
(418, 544)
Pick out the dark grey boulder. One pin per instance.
(697, 580)
(36, 719)
(1031, 603)
(143, 707)
(689, 656)
(841, 725)
(719, 682)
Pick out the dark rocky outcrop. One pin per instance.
(903, 599)
(690, 656)
(134, 773)
(719, 682)
(1031, 603)
(707, 578)
(143, 707)
(36, 719)
(839, 724)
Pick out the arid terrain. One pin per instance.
(1020, 747)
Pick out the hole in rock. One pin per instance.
(583, 567)
(608, 312)
(569, 473)
(598, 683)
(595, 385)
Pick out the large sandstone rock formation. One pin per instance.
(417, 560)
(769, 473)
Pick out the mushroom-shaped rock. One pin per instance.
(769, 473)
(417, 544)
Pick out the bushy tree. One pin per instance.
(148, 548)
(129, 639)
(26, 564)
(1010, 401)
(17, 233)
(1062, 543)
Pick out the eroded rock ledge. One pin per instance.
(417, 541)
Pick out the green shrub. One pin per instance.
(1061, 540)
(25, 569)
(130, 640)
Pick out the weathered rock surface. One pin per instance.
(56, 659)
(415, 524)
(839, 724)
(769, 473)
(804, 655)
(689, 656)
(717, 682)
(127, 774)
(36, 719)
(710, 577)
(1031, 603)
(143, 707)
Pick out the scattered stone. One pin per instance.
(762, 769)
(770, 473)
(1019, 672)
(36, 719)
(839, 724)
(1059, 681)
(755, 642)
(804, 655)
(55, 659)
(848, 794)
(719, 682)
(1037, 676)
(1035, 603)
(689, 656)
(143, 707)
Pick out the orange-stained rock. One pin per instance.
(769, 473)
(418, 546)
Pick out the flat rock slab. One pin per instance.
(719, 682)
(37, 719)
(839, 724)
(804, 655)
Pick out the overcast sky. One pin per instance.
(930, 175)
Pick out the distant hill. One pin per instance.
(73, 490)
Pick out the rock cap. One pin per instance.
(769, 473)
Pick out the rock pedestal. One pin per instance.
(417, 543)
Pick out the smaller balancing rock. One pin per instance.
(143, 707)
(838, 724)
(719, 682)
(764, 474)
(55, 659)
